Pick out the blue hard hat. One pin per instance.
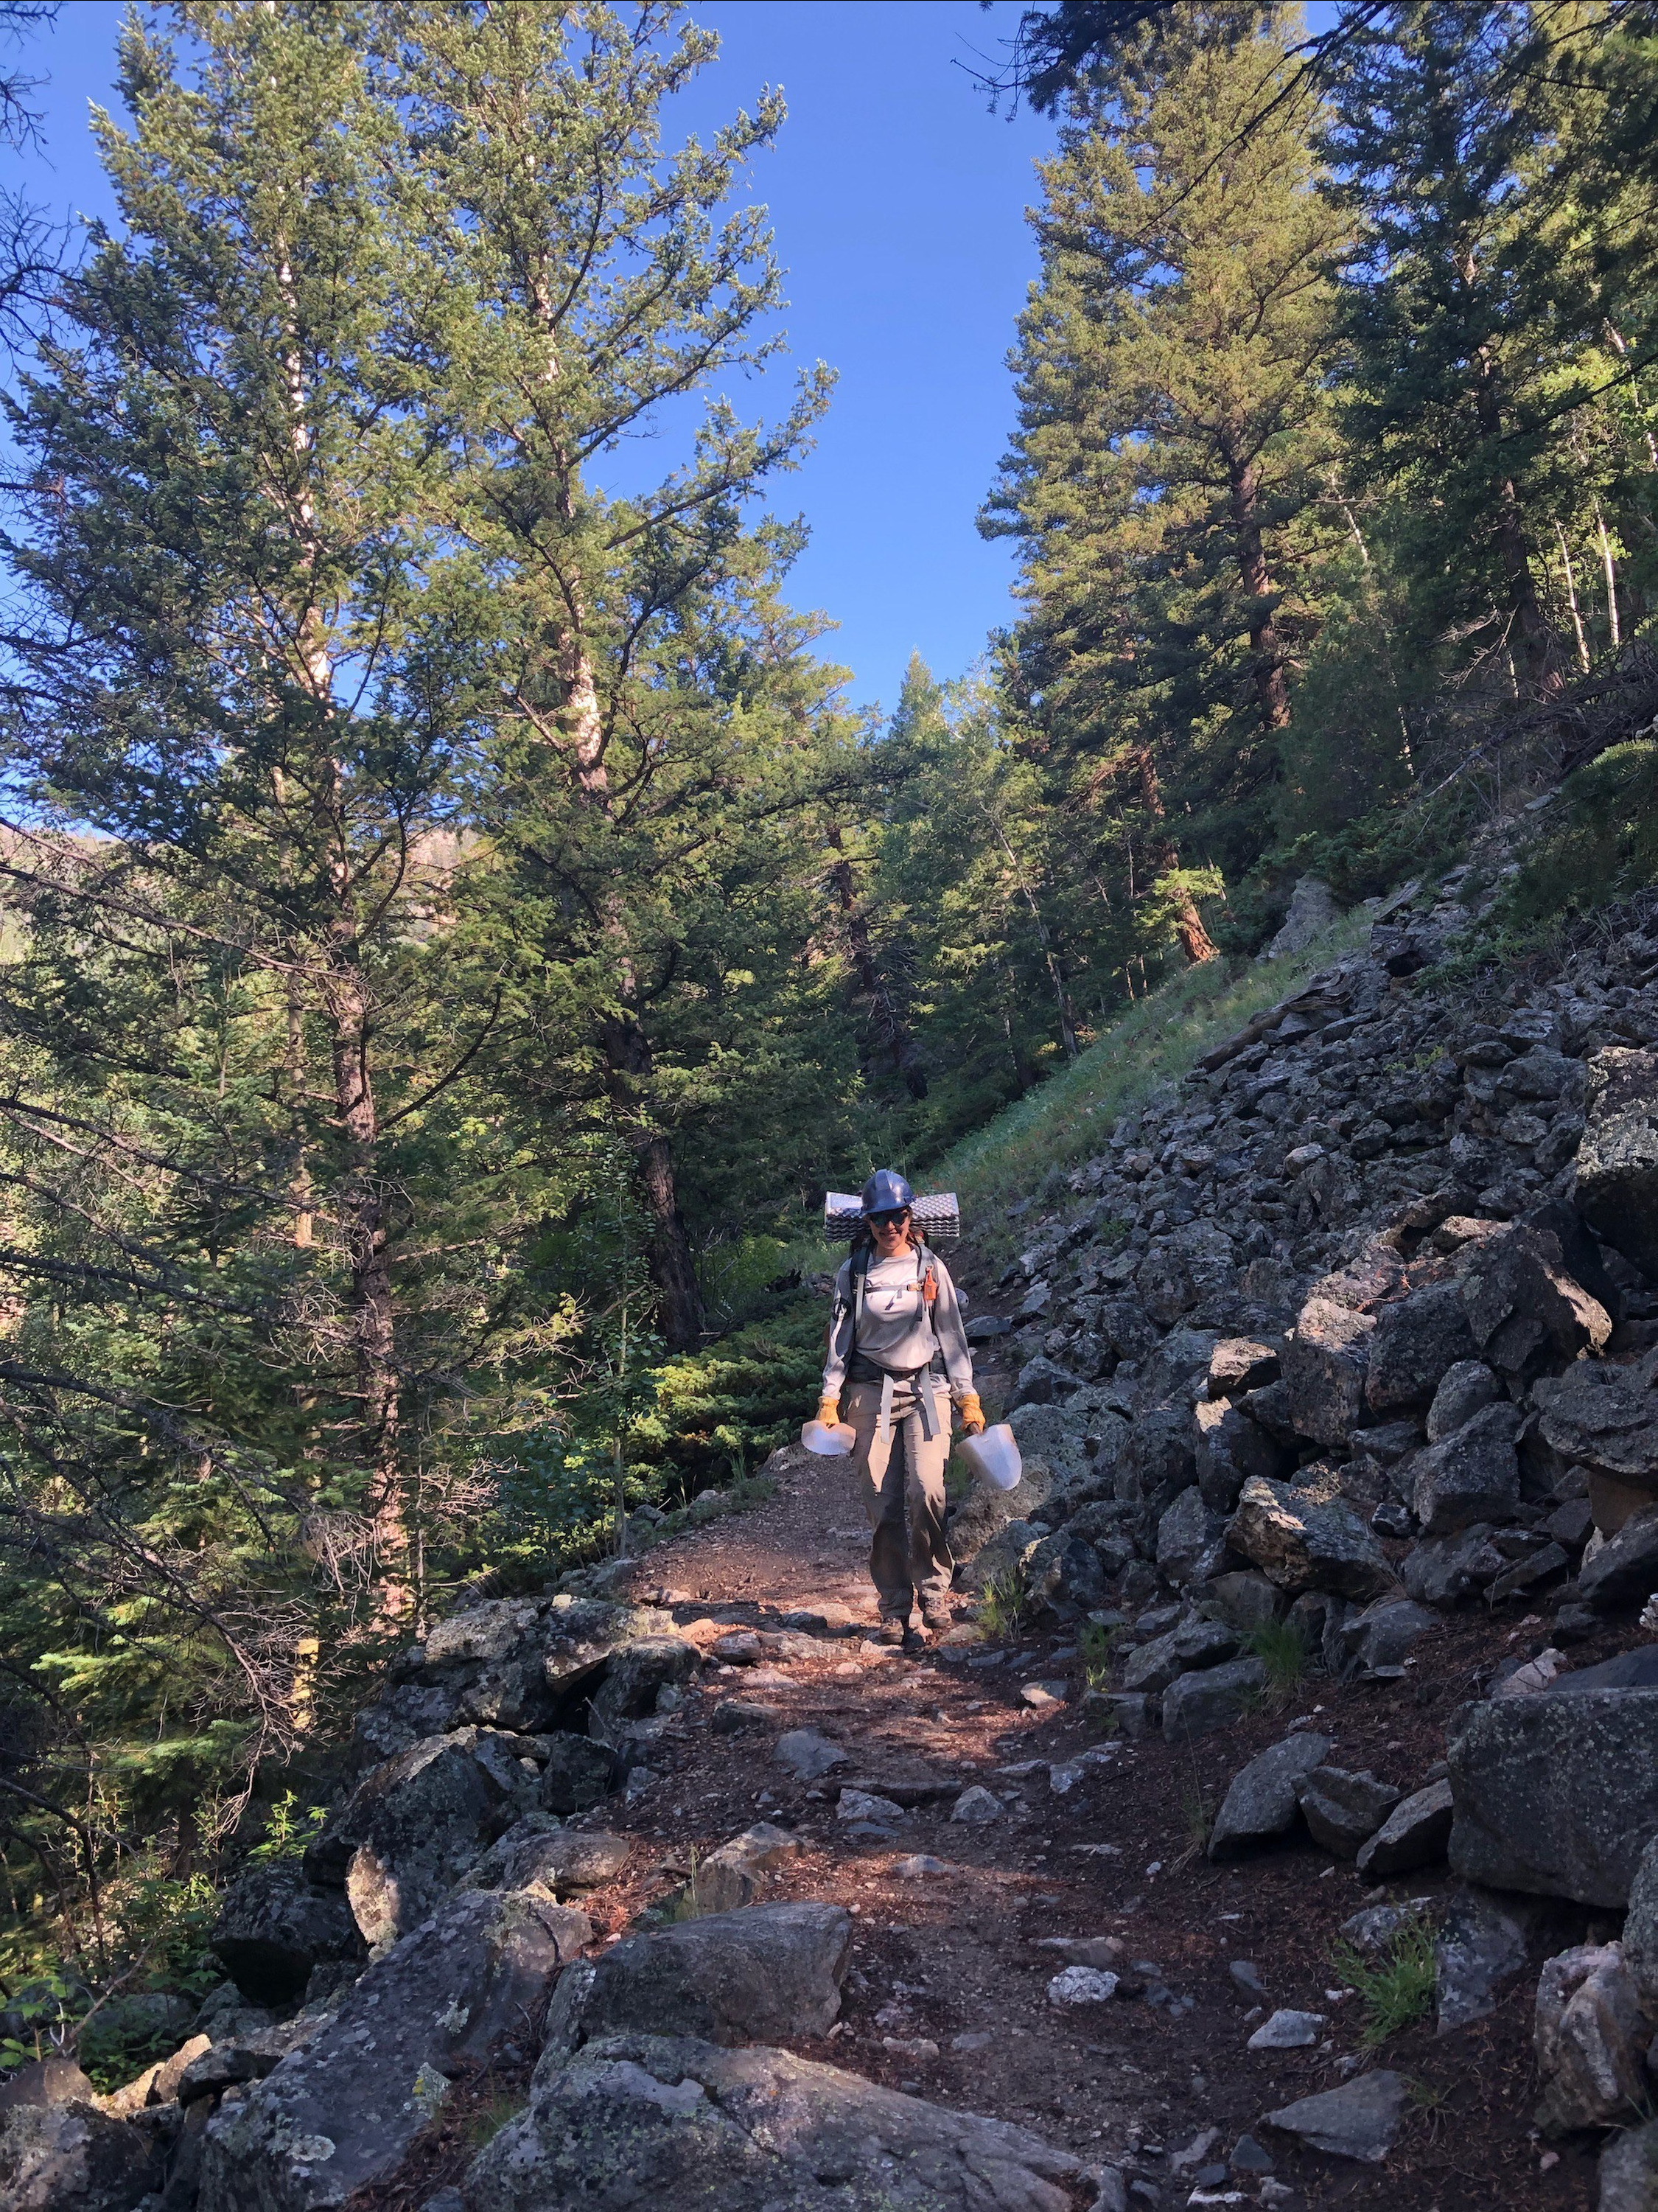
(885, 1192)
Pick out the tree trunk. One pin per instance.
(1272, 686)
(1195, 941)
(668, 1249)
(891, 1031)
(1527, 625)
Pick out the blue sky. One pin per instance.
(898, 203)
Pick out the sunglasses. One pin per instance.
(890, 1220)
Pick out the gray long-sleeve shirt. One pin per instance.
(898, 1331)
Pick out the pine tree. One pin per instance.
(645, 733)
(1174, 423)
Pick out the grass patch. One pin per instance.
(1070, 1116)
(486, 2122)
(1097, 1643)
(1199, 1807)
(1396, 1987)
(1283, 1651)
(1002, 1605)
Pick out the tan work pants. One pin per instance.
(907, 1469)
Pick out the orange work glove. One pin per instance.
(972, 1413)
(829, 1411)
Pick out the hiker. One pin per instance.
(898, 1350)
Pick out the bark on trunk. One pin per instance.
(1530, 635)
(1265, 645)
(668, 1249)
(890, 1031)
(1194, 939)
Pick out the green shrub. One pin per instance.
(1598, 844)
(1282, 1650)
(1097, 1643)
(1397, 1986)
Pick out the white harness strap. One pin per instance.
(921, 1380)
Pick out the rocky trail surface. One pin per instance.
(1278, 1826)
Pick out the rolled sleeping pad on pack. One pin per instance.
(935, 1213)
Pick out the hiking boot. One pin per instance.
(891, 1632)
(938, 1618)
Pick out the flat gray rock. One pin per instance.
(1624, 1571)
(1259, 1802)
(640, 2123)
(1473, 1475)
(1194, 1644)
(1196, 1704)
(1414, 1834)
(1385, 1633)
(727, 1977)
(809, 1756)
(1360, 2120)
(1558, 1793)
(1344, 1809)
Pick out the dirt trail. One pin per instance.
(948, 1995)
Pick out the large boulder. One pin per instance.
(1051, 1436)
(411, 1828)
(1261, 1802)
(1415, 1339)
(769, 1970)
(1305, 1536)
(635, 1677)
(1556, 1793)
(276, 1926)
(639, 2123)
(1473, 1475)
(1618, 1155)
(1465, 1389)
(1589, 2034)
(72, 2158)
(579, 1771)
(1604, 1417)
(340, 2114)
(1379, 1640)
(523, 1664)
(1326, 1362)
(1523, 1306)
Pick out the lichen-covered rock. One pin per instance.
(411, 1827)
(1556, 1793)
(1465, 1389)
(1303, 1537)
(1618, 1155)
(634, 1678)
(1381, 1639)
(72, 2158)
(1624, 1569)
(579, 1772)
(1191, 1541)
(340, 2114)
(1628, 2171)
(1473, 1475)
(276, 1925)
(730, 1977)
(1523, 1305)
(639, 2123)
(1182, 1270)
(1605, 1417)
(1441, 1572)
(1415, 1339)
(1326, 1362)
(1157, 1460)
(1589, 2035)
